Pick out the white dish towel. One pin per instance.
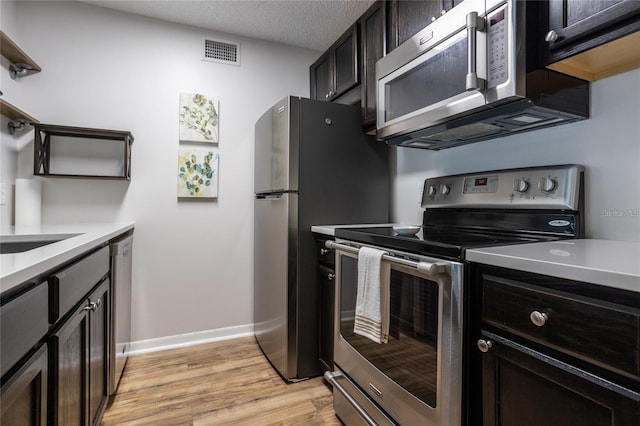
(372, 302)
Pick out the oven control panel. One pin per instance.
(549, 187)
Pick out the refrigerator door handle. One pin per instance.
(276, 196)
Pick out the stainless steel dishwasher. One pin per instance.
(120, 336)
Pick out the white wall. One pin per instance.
(608, 145)
(106, 69)
(8, 143)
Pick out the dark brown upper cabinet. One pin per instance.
(336, 71)
(593, 39)
(372, 30)
(406, 18)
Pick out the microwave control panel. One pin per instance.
(498, 47)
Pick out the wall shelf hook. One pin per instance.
(17, 126)
(19, 69)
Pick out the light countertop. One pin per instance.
(610, 263)
(17, 268)
(330, 230)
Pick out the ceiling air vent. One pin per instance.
(218, 51)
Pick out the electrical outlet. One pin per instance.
(4, 193)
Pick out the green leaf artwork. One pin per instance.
(198, 118)
(198, 172)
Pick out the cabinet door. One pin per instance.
(327, 302)
(69, 370)
(98, 362)
(79, 362)
(23, 397)
(373, 30)
(406, 18)
(321, 76)
(579, 20)
(346, 61)
(524, 388)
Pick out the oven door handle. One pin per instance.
(332, 377)
(429, 268)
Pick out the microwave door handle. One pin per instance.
(475, 23)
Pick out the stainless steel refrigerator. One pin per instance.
(313, 165)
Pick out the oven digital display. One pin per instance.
(481, 185)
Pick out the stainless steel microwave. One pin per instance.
(474, 74)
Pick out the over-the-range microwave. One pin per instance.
(474, 74)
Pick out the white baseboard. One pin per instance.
(189, 339)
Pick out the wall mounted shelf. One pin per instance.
(19, 119)
(78, 152)
(22, 64)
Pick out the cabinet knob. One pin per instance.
(538, 318)
(93, 306)
(551, 36)
(324, 251)
(484, 345)
(331, 276)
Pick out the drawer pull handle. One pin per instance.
(538, 318)
(484, 345)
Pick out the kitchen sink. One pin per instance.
(17, 244)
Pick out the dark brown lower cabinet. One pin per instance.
(522, 387)
(79, 362)
(327, 301)
(24, 395)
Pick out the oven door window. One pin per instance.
(410, 358)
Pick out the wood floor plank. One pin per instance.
(221, 383)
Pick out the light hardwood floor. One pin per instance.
(221, 383)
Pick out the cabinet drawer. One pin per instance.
(603, 333)
(23, 322)
(70, 285)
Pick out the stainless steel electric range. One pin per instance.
(418, 376)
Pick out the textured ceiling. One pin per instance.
(314, 24)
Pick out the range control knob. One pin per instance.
(445, 189)
(433, 190)
(547, 184)
(520, 185)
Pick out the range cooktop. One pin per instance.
(492, 208)
(433, 241)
